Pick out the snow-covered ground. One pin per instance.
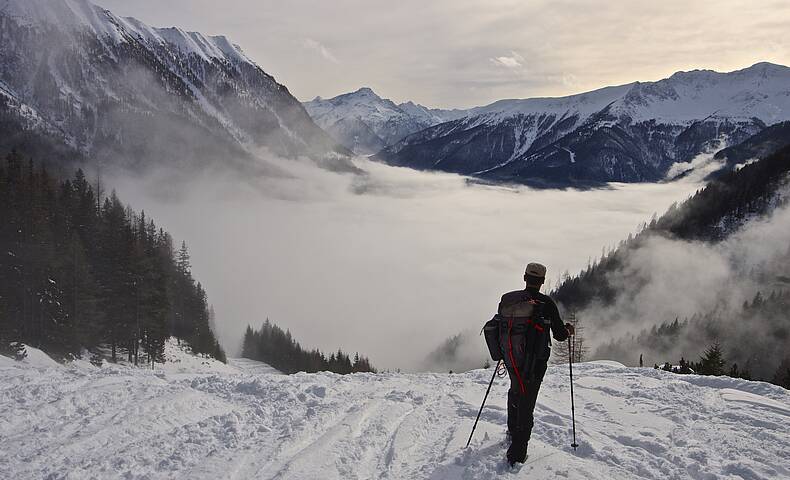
(252, 367)
(197, 419)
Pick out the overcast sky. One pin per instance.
(462, 53)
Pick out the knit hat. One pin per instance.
(536, 270)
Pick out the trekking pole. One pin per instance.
(496, 369)
(573, 409)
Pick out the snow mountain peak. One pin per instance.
(766, 67)
(366, 91)
(365, 122)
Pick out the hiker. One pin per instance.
(640, 361)
(522, 323)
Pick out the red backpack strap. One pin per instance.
(512, 358)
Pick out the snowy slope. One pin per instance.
(180, 359)
(762, 91)
(245, 365)
(123, 91)
(79, 421)
(365, 123)
(83, 16)
(633, 132)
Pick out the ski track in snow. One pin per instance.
(199, 419)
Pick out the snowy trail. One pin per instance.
(199, 419)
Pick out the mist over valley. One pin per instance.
(363, 262)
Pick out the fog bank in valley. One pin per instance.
(390, 263)
(664, 279)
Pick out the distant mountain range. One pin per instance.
(627, 133)
(366, 123)
(123, 92)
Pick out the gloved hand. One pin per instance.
(570, 329)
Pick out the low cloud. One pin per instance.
(512, 61)
(389, 263)
(664, 279)
(322, 50)
(570, 80)
(703, 164)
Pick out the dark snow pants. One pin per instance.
(520, 406)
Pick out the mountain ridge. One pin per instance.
(125, 92)
(631, 133)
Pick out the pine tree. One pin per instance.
(219, 353)
(248, 347)
(78, 281)
(75, 276)
(183, 260)
(577, 343)
(782, 375)
(712, 361)
(212, 319)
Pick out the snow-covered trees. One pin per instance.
(74, 276)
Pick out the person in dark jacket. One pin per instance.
(526, 317)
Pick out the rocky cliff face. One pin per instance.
(127, 93)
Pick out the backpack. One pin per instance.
(519, 335)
